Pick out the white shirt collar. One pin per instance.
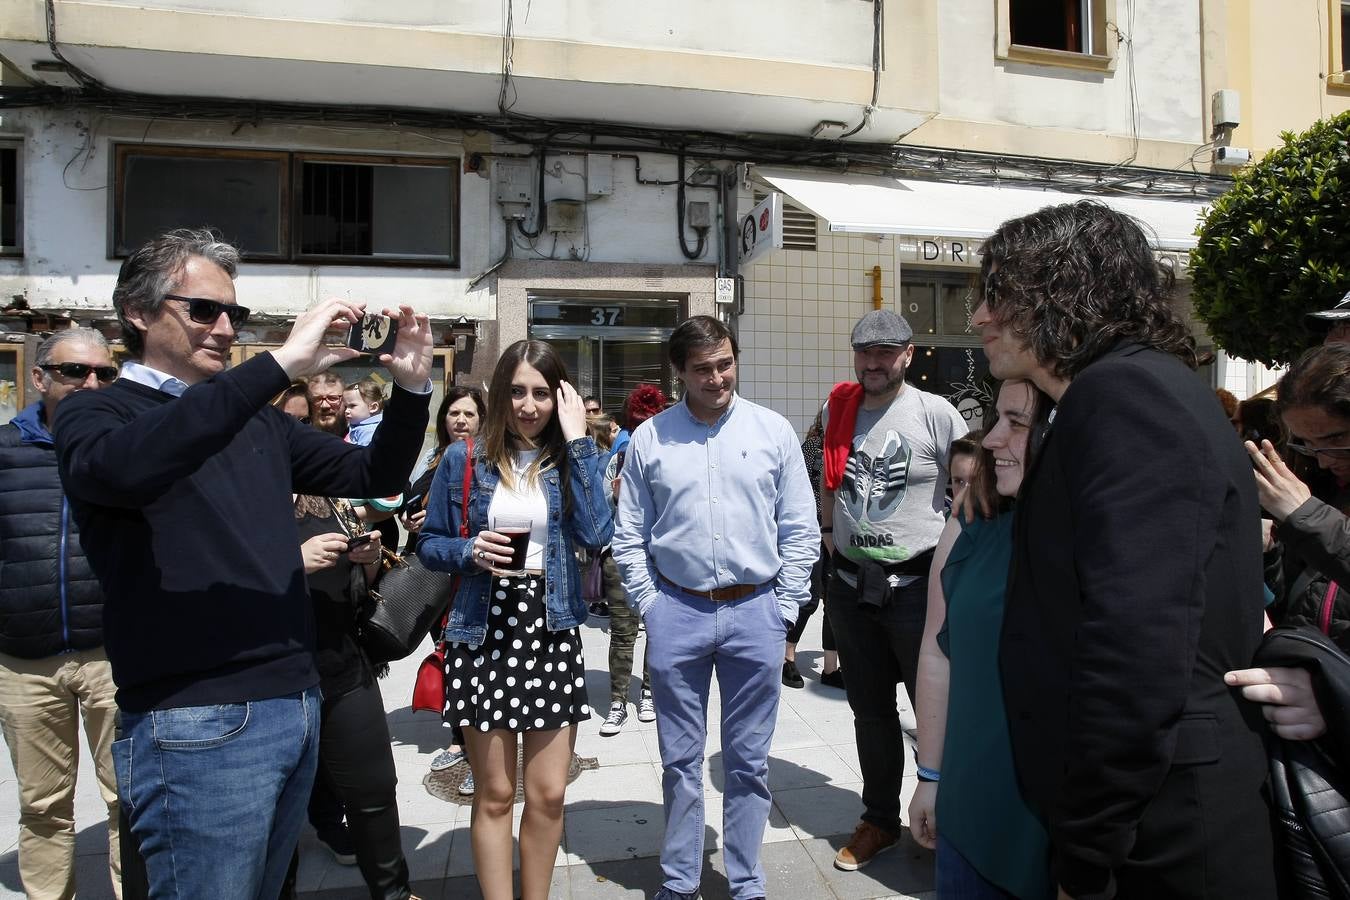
(160, 381)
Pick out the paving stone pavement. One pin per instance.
(614, 818)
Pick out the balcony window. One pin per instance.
(292, 207)
(1071, 33)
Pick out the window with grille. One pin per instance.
(799, 225)
(282, 206)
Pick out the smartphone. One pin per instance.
(373, 335)
(413, 506)
(358, 540)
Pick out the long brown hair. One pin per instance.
(499, 444)
(982, 483)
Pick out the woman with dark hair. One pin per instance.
(991, 844)
(1313, 401)
(514, 669)
(294, 401)
(642, 402)
(356, 764)
(458, 418)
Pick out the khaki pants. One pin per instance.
(41, 701)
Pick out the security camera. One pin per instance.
(1232, 156)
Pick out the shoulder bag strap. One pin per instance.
(468, 485)
(1328, 601)
(464, 516)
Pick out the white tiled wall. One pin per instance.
(800, 307)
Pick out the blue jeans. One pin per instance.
(958, 880)
(688, 637)
(216, 795)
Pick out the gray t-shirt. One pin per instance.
(890, 505)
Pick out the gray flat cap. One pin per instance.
(881, 327)
(1340, 311)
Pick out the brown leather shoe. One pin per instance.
(867, 842)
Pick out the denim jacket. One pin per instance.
(441, 548)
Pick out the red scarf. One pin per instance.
(843, 410)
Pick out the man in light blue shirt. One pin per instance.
(716, 535)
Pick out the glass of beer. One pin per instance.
(517, 529)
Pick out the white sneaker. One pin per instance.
(466, 786)
(646, 707)
(445, 759)
(614, 722)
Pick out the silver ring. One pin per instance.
(482, 555)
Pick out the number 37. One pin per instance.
(605, 315)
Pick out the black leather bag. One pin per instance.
(408, 597)
(1310, 780)
(406, 600)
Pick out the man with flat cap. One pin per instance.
(1334, 322)
(882, 505)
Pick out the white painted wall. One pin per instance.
(1166, 56)
(819, 31)
(67, 209)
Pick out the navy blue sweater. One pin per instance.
(185, 514)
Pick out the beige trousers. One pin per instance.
(41, 701)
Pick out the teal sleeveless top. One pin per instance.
(979, 807)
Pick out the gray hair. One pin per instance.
(89, 336)
(154, 270)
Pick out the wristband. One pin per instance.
(927, 774)
(828, 529)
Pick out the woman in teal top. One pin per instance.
(967, 805)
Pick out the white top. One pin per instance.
(526, 501)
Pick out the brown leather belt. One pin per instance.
(719, 595)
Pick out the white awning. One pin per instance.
(877, 205)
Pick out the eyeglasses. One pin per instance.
(80, 371)
(206, 312)
(1328, 452)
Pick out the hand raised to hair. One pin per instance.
(571, 412)
(1278, 489)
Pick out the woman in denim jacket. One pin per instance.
(513, 652)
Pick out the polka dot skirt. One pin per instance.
(523, 677)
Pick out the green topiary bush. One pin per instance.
(1277, 246)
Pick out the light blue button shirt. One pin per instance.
(711, 506)
(160, 381)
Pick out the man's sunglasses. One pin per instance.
(80, 371)
(206, 312)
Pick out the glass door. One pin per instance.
(610, 345)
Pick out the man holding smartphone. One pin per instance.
(181, 476)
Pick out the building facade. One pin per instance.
(580, 172)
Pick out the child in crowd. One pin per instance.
(364, 403)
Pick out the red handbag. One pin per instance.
(429, 688)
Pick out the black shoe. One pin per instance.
(833, 679)
(339, 843)
(791, 677)
(600, 609)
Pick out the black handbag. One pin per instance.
(408, 597)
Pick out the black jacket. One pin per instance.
(1309, 778)
(186, 515)
(1135, 585)
(1314, 545)
(50, 602)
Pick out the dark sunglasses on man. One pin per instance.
(80, 371)
(206, 312)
